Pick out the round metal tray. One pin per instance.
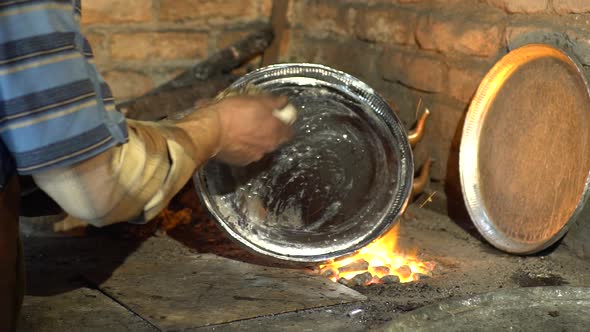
(341, 182)
(525, 152)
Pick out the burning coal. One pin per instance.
(379, 262)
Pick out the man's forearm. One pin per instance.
(134, 180)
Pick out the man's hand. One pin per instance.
(244, 128)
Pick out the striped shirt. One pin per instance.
(55, 108)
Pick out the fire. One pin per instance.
(383, 258)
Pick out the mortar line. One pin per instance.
(263, 316)
(90, 285)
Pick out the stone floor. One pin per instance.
(190, 280)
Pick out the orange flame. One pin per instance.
(383, 259)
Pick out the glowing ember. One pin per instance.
(383, 259)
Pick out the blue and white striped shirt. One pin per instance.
(55, 108)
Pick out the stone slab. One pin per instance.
(179, 291)
(525, 309)
(346, 317)
(82, 309)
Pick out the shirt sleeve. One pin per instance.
(132, 182)
(136, 180)
(55, 108)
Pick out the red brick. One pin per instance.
(481, 42)
(128, 84)
(521, 6)
(571, 6)
(371, 2)
(403, 100)
(352, 57)
(324, 17)
(226, 38)
(442, 135)
(464, 80)
(420, 72)
(427, 26)
(116, 11)
(393, 26)
(266, 8)
(159, 45)
(459, 35)
(180, 10)
(97, 42)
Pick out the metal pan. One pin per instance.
(342, 182)
(525, 151)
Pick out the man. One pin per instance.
(58, 123)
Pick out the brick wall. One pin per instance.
(437, 50)
(141, 43)
(434, 50)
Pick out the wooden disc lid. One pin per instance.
(525, 151)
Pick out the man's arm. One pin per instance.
(57, 119)
(133, 181)
(139, 178)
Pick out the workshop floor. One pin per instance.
(189, 280)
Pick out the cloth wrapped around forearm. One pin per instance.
(130, 182)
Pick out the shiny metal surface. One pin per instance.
(341, 183)
(525, 151)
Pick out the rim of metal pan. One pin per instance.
(495, 190)
(306, 73)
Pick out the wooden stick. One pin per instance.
(222, 62)
(158, 106)
(279, 21)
